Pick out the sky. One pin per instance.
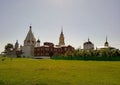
(80, 19)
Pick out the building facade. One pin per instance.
(49, 49)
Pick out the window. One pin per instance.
(38, 49)
(38, 53)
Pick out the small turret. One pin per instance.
(38, 43)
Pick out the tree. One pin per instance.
(9, 48)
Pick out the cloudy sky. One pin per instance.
(80, 19)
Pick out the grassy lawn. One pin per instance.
(25, 71)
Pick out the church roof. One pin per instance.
(30, 36)
(30, 39)
(89, 42)
(106, 42)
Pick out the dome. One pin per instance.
(38, 41)
(106, 42)
(89, 42)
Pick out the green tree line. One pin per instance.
(103, 54)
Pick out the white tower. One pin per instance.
(29, 43)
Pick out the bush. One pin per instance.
(106, 54)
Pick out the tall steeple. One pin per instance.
(61, 38)
(30, 39)
(106, 43)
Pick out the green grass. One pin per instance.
(22, 71)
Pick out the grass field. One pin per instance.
(23, 71)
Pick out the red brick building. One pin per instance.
(48, 49)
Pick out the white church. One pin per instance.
(29, 44)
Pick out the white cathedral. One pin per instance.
(29, 44)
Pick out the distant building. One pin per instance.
(88, 45)
(106, 46)
(15, 51)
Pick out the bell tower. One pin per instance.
(61, 38)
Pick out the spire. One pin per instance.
(30, 27)
(61, 29)
(61, 38)
(106, 38)
(88, 39)
(106, 43)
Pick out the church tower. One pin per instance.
(16, 45)
(29, 44)
(106, 43)
(61, 38)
